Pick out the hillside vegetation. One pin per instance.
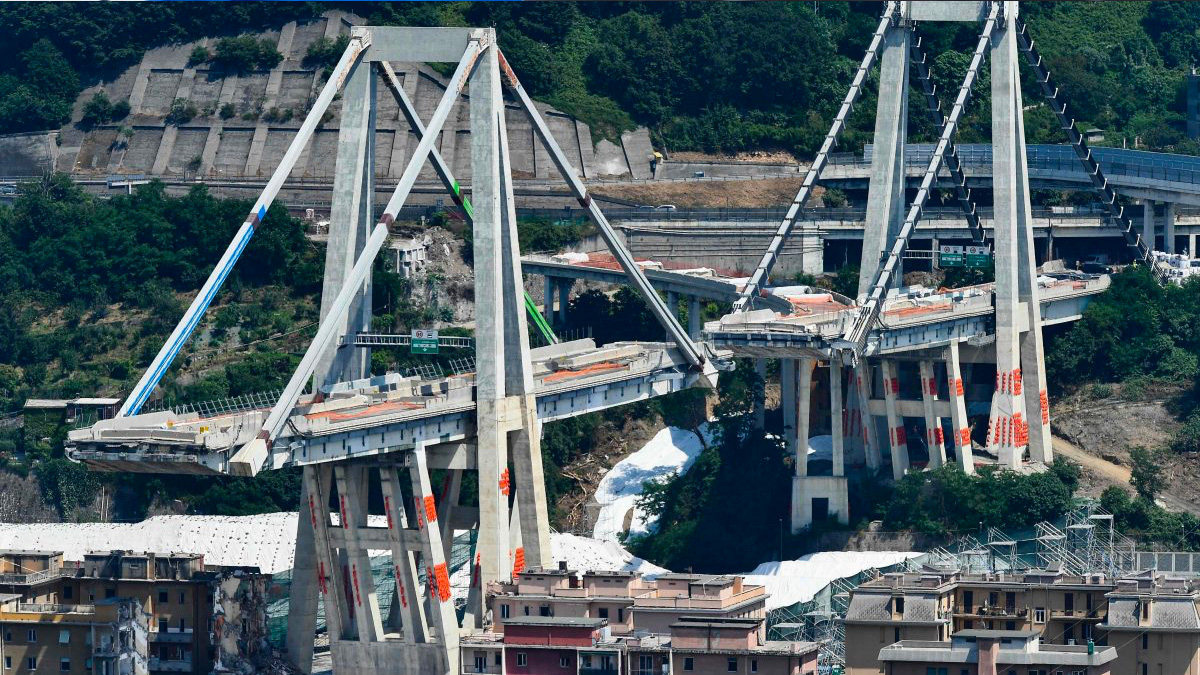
(713, 76)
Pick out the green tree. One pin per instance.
(1147, 472)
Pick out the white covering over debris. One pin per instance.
(799, 580)
(266, 541)
(585, 554)
(670, 452)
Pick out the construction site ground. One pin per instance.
(1098, 434)
(736, 194)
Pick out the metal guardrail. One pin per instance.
(32, 577)
(1159, 166)
(45, 608)
(404, 340)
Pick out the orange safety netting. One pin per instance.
(594, 369)
(391, 406)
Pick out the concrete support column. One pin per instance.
(837, 410)
(897, 438)
(1010, 224)
(351, 220)
(673, 308)
(493, 556)
(1148, 229)
(958, 410)
(803, 411)
(302, 605)
(1169, 227)
(760, 403)
(1192, 245)
(885, 198)
(934, 437)
(787, 402)
(870, 439)
(694, 323)
(564, 299)
(548, 298)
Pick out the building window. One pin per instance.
(562, 662)
(522, 660)
(732, 667)
(162, 624)
(164, 596)
(183, 597)
(689, 663)
(64, 637)
(7, 635)
(1145, 669)
(182, 624)
(897, 634)
(899, 605)
(110, 593)
(754, 665)
(1039, 615)
(503, 611)
(544, 610)
(87, 663)
(603, 612)
(8, 663)
(31, 635)
(526, 610)
(68, 593)
(620, 615)
(1145, 640)
(31, 663)
(64, 665)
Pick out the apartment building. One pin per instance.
(625, 599)
(1149, 620)
(992, 652)
(1152, 620)
(618, 623)
(120, 612)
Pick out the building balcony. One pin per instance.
(174, 636)
(993, 612)
(32, 577)
(599, 671)
(1076, 614)
(170, 665)
(469, 668)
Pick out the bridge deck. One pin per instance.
(384, 413)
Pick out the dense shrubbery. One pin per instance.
(712, 76)
(246, 52)
(946, 500)
(1137, 328)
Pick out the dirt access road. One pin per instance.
(1116, 474)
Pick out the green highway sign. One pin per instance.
(424, 341)
(950, 256)
(964, 256)
(978, 256)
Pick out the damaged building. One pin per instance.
(130, 613)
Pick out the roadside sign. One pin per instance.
(950, 256)
(424, 341)
(978, 256)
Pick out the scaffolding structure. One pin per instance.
(1085, 542)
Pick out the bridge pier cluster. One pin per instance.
(558, 289)
(888, 415)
